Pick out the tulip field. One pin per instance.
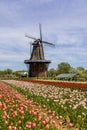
(36, 106)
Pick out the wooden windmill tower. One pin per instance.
(37, 63)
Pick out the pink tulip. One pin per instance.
(53, 122)
(6, 122)
(60, 123)
(14, 113)
(39, 117)
(60, 117)
(70, 124)
(33, 125)
(14, 128)
(47, 127)
(34, 113)
(44, 122)
(19, 122)
(55, 126)
(57, 117)
(28, 123)
(9, 127)
(22, 117)
(28, 126)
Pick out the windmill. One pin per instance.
(37, 63)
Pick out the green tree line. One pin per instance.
(64, 68)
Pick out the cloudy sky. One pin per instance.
(64, 23)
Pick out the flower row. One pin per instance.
(82, 85)
(69, 103)
(22, 113)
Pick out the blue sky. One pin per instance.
(64, 23)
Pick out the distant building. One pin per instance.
(68, 76)
(22, 73)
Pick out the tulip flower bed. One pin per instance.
(82, 85)
(65, 106)
(21, 112)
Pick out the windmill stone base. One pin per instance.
(37, 68)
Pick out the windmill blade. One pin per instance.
(30, 37)
(40, 32)
(48, 43)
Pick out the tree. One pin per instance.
(82, 72)
(80, 68)
(8, 71)
(1, 73)
(63, 67)
(52, 72)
